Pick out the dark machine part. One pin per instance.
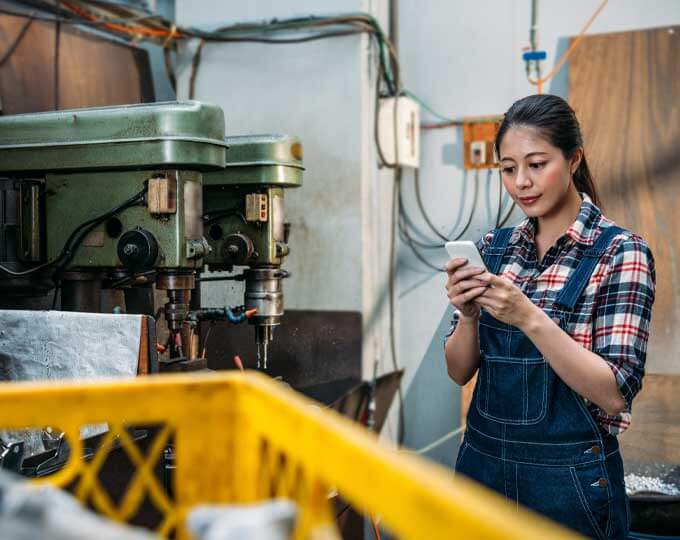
(138, 250)
(81, 291)
(22, 228)
(238, 250)
(183, 341)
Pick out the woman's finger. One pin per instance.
(454, 264)
(486, 302)
(469, 295)
(466, 272)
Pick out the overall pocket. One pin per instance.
(513, 390)
(513, 375)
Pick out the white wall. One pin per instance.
(464, 58)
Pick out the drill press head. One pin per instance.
(244, 222)
(110, 192)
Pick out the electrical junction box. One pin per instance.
(479, 136)
(400, 118)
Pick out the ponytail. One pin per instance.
(583, 181)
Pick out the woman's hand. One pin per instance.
(462, 286)
(504, 301)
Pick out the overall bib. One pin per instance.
(529, 436)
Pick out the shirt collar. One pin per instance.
(583, 231)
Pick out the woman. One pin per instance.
(559, 335)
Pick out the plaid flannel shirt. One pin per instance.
(613, 314)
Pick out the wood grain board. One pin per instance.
(94, 70)
(626, 92)
(654, 435)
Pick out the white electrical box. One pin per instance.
(407, 115)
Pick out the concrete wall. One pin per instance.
(464, 58)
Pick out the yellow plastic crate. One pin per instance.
(241, 437)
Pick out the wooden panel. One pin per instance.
(654, 435)
(93, 70)
(626, 92)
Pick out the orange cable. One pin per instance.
(135, 30)
(558, 66)
(376, 531)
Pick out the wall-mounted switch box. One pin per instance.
(406, 113)
(479, 136)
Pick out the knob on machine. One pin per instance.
(138, 250)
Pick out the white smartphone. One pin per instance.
(465, 249)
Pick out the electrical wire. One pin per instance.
(376, 531)
(507, 216)
(500, 199)
(13, 47)
(65, 20)
(392, 278)
(77, 236)
(419, 200)
(441, 440)
(539, 82)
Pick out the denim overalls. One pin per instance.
(529, 436)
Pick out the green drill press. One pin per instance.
(109, 195)
(244, 222)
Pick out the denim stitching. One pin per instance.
(584, 504)
(579, 443)
(461, 454)
(516, 487)
(529, 463)
(526, 393)
(528, 422)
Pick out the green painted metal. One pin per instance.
(255, 164)
(72, 199)
(268, 159)
(178, 134)
(264, 236)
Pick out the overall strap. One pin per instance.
(493, 254)
(572, 291)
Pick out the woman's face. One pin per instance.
(535, 173)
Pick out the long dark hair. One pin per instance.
(556, 121)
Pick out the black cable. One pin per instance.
(392, 278)
(169, 68)
(409, 223)
(214, 215)
(13, 47)
(409, 241)
(54, 298)
(79, 20)
(129, 279)
(77, 236)
(195, 63)
(347, 507)
(376, 123)
(507, 216)
(500, 199)
(426, 217)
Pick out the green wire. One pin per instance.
(427, 107)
